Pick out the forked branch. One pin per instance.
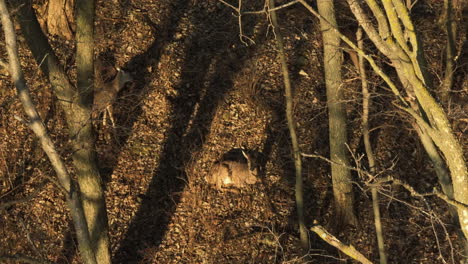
(37, 126)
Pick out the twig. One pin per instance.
(414, 193)
(264, 10)
(24, 259)
(371, 176)
(272, 9)
(4, 65)
(21, 200)
(430, 214)
(28, 236)
(240, 13)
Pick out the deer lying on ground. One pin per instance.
(235, 171)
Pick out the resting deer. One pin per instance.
(235, 172)
(105, 91)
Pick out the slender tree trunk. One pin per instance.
(366, 102)
(341, 176)
(304, 236)
(81, 129)
(448, 21)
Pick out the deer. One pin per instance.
(236, 170)
(106, 89)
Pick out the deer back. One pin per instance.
(106, 91)
(232, 174)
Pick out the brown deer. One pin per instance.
(106, 89)
(235, 170)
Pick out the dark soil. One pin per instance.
(198, 92)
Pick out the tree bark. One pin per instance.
(408, 60)
(77, 108)
(304, 236)
(59, 15)
(332, 56)
(81, 128)
(36, 125)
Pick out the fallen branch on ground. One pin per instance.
(332, 240)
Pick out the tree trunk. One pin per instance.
(304, 236)
(405, 51)
(69, 186)
(81, 129)
(341, 176)
(59, 15)
(77, 108)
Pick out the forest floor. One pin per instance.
(198, 92)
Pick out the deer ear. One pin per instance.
(123, 77)
(245, 155)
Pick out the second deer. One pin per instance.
(106, 89)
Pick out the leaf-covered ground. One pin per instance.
(199, 92)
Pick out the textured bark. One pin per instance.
(59, 15)
(37, 126)
(81, 129)
(341, 176)
(77, 108)
(429, 115)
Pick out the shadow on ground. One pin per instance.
(207, 75)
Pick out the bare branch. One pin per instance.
(368, 27)
(332, 240)
(395, 26)
(414, 193)
(263, 11)
(273, 9)
(39, 129)
(24, 259)
(371, 176)
(371, 61)
(379, 15)
(20, 200)
(240, 13)
(229, 5)
(366, 101)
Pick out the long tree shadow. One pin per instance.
(206, 78)
(163, 32)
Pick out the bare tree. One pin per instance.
(332, 57)
(292, 129)
(77, 104)
(72, 191)
(394, 35)
(84, 156)
(398, 41)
